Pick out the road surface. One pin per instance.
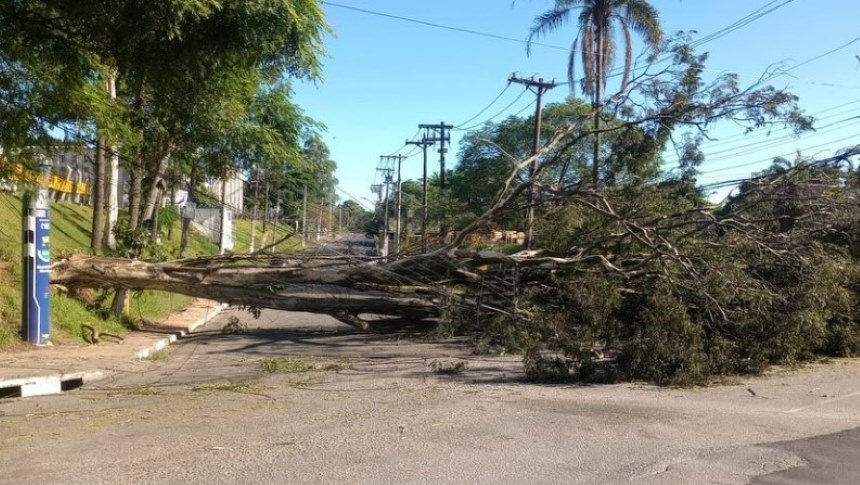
(349, 407)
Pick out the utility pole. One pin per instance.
(387, 172)
(539, 87)
(331, 212)
(320, 218)
(399, 205)
(424, 143)
(442, 134)
(305, 216)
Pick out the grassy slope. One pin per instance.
(274, 232)
(70, 233)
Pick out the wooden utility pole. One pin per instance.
(331, 212)
(399, 203)
(387, 172)
(320, 218)
(424, 143)
(539, 87)
(440, 133)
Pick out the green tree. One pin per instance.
(486, 157)
(185, 70)
(355, 217)
(596, 30)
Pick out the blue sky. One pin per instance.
(385, 76)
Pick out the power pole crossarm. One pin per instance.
(442, 134)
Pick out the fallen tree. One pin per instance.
(643, 277)
(342, 287)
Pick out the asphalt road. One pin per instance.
(370, 409)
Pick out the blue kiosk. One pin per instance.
(36, 310)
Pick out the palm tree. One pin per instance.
(597, 23)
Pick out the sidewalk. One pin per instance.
(51, 370)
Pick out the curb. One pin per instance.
(56, 383)
(161, 344)
(47, 384)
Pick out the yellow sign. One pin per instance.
(56, 182)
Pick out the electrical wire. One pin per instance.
(473, 118)
(441, 26)
(763, 160)
(730, 140)
(769, 144)
(501, 112)
(820, 56)
(737, 25)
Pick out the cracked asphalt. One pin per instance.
(368, 408)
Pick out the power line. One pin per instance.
(352, 197)
(742, 22)
(757, 146)
(507, 86)
(753, 178)
(491, 118)
(730, 140)
(441, 26)
(737, 25)
(806, 149)
(820, 56)
(761, 146)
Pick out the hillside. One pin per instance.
(70, 233)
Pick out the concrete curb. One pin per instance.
(45, 385)
(57, 382)
(161, 344)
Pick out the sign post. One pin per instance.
(36, 310)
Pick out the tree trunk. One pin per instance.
(192, 199)
(152, 193)
(596, 104)
(172, 205)
(222, 230)
(112, 191)
(135, 194)
(155, 227)
(335, 287)
(98, 194)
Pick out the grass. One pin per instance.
(290, 365)
(198, 244)
(70, 234)
(228, 387)
(159, 355)
(242, 236)
(142, 391)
